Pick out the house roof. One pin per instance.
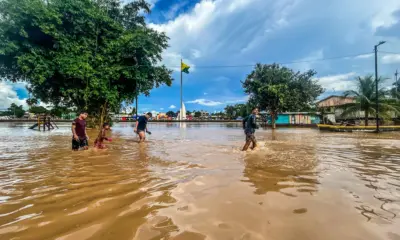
(331, 96)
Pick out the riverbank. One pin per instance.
(162, 121)
(191, 181)
(174, 121)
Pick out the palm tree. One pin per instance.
(395, 91)
(365, 97)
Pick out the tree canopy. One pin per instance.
(237, 110)
(14, 110)
(276, 88)
(170, 114)
(90, 54)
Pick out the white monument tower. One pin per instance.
(182, 112)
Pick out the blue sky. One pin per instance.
(243, 32)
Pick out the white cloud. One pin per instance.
(365, 56)
(195, 53)
(8, 95)
(174, 10)
(161, 109)
(173, 61)
(339, 82)
(206, 102)
(392, 58)
(47, 106)
(383, 16)
(205, 93)
(172, 107)
(308, 62)
(213, 30)
(216, 23)
(211, 103)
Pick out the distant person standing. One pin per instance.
(141, 127)
(250, 126)
(80, 138)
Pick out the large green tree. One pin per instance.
(230, 111)
(170, 114)
(16, 111)
(89, 54)
(237, 110)
(365, 100)
(276, 89)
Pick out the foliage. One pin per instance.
(395, 91)
(38, 110)
(32, 102)
(275, 88)
(197, 114)
(16, 110)
(90, 54)
(365, 100)
(170, 114)
(237, 110)
(230, 111)
(59, 111)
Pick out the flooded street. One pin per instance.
(191, 181)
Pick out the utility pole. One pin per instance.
(376, 84)
(396, 84)
(181, 111)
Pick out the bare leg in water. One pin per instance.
(142, 136)
(250, 138)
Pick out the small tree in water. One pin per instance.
(88, 54)
(279, 89)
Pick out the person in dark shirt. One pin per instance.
(250, 126)
(141, 127)
(98, 143)
(80, 138)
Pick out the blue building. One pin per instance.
(295, 118)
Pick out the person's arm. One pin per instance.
(103, 135)
(137, 124)
(87, 137)
(73, 131)
(147, 130)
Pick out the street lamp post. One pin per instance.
(376, 84)
(396, 84)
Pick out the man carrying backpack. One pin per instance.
(250, 126)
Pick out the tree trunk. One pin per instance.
(273, 124)
(136, 110)
(102, 117)
(366, 118)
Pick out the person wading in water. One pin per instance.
(80, 138)
(250, 126)
(141, 127)
(98, 143)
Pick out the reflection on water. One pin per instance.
(191, 181)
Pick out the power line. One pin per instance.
(284, 63)
(280, 63)
(396, 53)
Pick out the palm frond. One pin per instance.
(350, 110)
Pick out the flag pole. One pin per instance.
(181, 118)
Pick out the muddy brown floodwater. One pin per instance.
(190, 181)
